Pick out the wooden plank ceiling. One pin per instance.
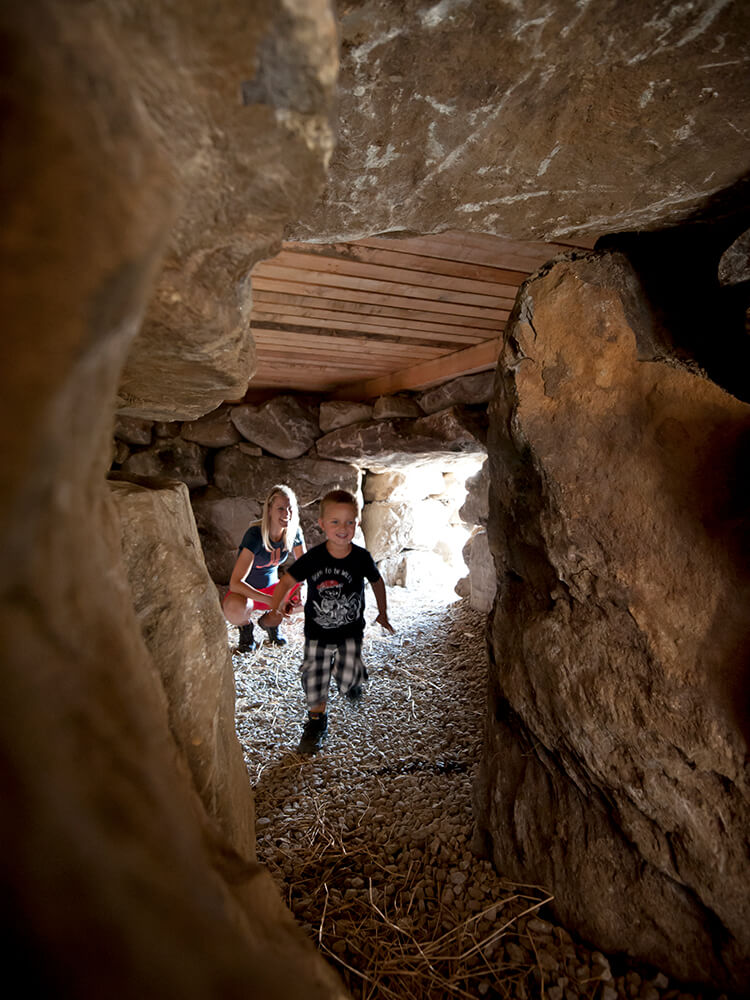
(376, 316)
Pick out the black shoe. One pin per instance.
(354, 694)
(247, 643)
(313, 734)
(272, 631)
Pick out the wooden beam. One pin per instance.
(389, 330)
(400, 257)
(321, 293)
(473, 359)
(309, 303)
(492, 298)
(424, 277)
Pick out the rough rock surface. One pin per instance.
(476, 507)
(513, 118)
(481, 583)
(241, 109)
(388, 528)
(178, 612)
(221, 522)
(283, 426)
(133, 430)
(389, 444)
(340, 413)
(734, 266)
(417, 482)
(393, 407)
(238, 474)
(619, 638)
(172, 458)
(466, 389)
(215, 430)
(116, 882)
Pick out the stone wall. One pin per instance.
(230, 458)
(615, 767)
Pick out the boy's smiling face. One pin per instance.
(339, 522)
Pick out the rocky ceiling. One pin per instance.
(376, 316)
(524, 120)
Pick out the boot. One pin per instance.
(272, 631)
(313, 734)
(247, 644)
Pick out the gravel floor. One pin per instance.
(369, 840)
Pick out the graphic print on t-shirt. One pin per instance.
(334, 608)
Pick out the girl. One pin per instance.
(264, 546)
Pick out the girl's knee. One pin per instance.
(236, 609)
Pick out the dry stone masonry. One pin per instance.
(411, 518)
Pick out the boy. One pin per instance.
(334, 611)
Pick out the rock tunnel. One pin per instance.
(153, 156)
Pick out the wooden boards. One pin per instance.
(380, 315)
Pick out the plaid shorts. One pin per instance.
(342, 659)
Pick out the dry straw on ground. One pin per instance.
(370, 841)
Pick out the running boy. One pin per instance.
(334, 611)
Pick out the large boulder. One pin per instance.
(240, 98)
(514, 118)
(221, 522)
(394, 444)
(170, 458)
(615, 767)
(283, 426)
(214, 430)
(118, 881)
(177, 609)
(239, 474)
(475, 389)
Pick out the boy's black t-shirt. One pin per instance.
(335, 605)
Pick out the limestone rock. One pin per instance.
(482, 578)
(166, 429)
(340, 413)
(178, 611)
(476, 507)
(215, 430)
(467, 389)
(221, 523)
(241, 108)
(387, 444)
(238, 474)
(498, 117)
(390, 407)
(120, 452)
(282, 426)
(414, 483)
(132, 430)
(619, 631)
(170, 459)
(734, 266)
(387, 528)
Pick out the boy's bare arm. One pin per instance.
(378, 589)
(282, 588)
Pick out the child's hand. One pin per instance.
(382, 619)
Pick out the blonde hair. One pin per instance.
(290, 532)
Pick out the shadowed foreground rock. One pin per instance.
(115, 881)
(614, 769)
